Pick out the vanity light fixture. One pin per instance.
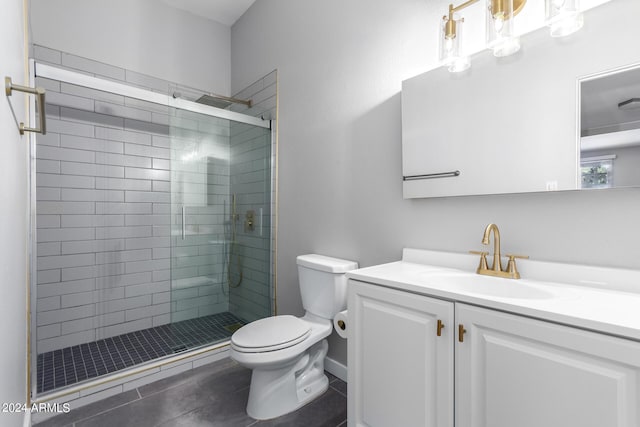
(450, 49)
(500, 30)
(562, 16)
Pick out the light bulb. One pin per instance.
(459, 64)
(448, 44)
(566, 26)
(563, 16)
(498, 22)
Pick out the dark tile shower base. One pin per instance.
(60, 368)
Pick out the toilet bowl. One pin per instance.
(286, 353)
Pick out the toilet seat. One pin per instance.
(270, 334)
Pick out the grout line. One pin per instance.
(339, 392)
(117, 350)
(73, 363)
(107, 350)
(178, 384)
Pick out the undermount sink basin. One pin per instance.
(485, 285)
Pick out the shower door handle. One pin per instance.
(184, 224)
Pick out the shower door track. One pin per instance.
(78, 79)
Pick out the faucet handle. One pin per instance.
(511, 265)
(483, 259)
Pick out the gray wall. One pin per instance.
(13, 219)
(146, 36)
(340, 67)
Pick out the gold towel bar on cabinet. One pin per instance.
(9, 87)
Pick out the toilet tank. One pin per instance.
(323, 284)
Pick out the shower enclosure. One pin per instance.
(153, 222)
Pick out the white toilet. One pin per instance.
(287, 353)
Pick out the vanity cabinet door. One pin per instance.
(515, 371)
(400, 370)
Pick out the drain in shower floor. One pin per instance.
(179, 348)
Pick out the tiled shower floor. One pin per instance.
(60, 368)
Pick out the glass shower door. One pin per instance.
(153, 231)
(215, 213)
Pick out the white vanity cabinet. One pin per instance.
(506, 370)
(400, 370)
(515, 371)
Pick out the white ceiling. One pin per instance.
(224, 11)
(600, 98)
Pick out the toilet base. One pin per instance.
(275, 392)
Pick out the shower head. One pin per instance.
(213, 101)
(218, 101)
(221, 101)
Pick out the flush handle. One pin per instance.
(440, 328)
(461, 332)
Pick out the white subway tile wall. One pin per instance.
(112, 177)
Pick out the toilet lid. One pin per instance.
(271, 333)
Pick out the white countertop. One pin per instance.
(599, 299)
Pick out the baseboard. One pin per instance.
(335, 368)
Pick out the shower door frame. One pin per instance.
(38, 69)
(84, 80)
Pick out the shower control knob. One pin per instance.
(249, 221)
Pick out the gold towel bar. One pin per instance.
(9, 87)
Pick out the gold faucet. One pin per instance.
(497, 262)
(511, 271)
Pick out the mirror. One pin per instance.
(610, 129)
(511, 125)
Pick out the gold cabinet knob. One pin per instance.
(440, 328)
(461, 332)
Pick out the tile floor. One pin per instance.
(212, 395)
(60, 368)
